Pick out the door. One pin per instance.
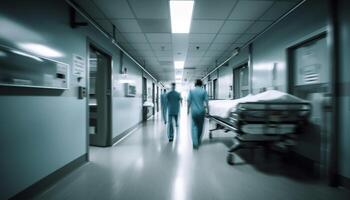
(154, 98)
(99, 98)
(144, 98)
(210, 89)
(215, 89)
(157, 99)
(241, 81)
(311, 81)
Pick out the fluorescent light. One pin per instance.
(41, 50)
(181, 16)
(179, 64)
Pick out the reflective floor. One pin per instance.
(146, 166)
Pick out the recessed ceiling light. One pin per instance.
(181, 16)
(179, 64)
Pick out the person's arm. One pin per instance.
(180, 99)
(206, 103)
(189, 103)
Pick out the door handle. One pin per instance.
(108, 92)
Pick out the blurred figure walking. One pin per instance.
(173, 102)
(198, 106)
(163, 103)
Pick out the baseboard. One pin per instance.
(344, 181)
(124, 133)
(51, 179)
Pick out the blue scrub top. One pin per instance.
(173, 101)
(196, 99)
(163, 100)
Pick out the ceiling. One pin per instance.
(217, 28)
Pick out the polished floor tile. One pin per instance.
(146, 166)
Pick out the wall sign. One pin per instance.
(78, 66)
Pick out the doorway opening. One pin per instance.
(215, 89)
(241, 81)
(99, 97)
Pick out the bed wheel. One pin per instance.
(210, 135)
(230, 158)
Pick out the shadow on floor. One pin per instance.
(274, 163)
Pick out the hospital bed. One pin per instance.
(261, 120)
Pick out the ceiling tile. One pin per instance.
(159, 37)
(277, 10)
(226, 38)
(250, 10)
(150, 9)
(90, 7)
(198, 47)
(206, 26)
(213, 53)
(258, 26)
(165, 58)
(161, 46)
(163, 53)
(245, 38)
(147, 54)
(141, 46)
(127, 25)
(212, 9)
(106, 25)
(115, 8)
(235, 26)
(135, 37)
(201, 38)
(195, 54)
(219, 46)
(155, 25)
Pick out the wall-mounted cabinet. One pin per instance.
(21, 69)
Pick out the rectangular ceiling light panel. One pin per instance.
(181, 16)
(179, 64)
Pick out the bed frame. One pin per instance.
(268, 115)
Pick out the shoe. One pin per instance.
(195, 147)
(170, 140)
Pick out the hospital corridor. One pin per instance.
(174, 99)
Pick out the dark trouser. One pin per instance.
(171, 126)
(197, 128)
(164, 111)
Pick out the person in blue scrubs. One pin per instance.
(198, 105)
(163, 103)
(173, 102)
